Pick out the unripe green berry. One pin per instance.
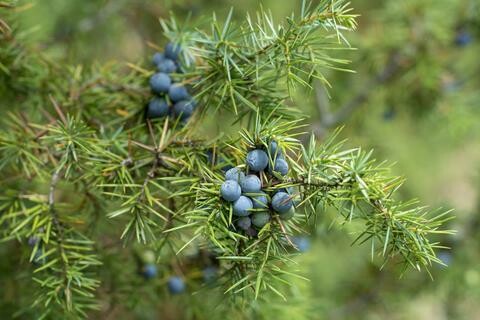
(260, 219)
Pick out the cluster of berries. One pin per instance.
(170, 98)
(148, 270)
(252, 206)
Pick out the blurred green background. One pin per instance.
(425, 117)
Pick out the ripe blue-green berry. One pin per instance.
(260, 200)
(230, 190)
(167, 66)
(281, 202)
(175, 285)
(445, 257)
(234, 174)
(157, 58)
(242, 206)
(149, 271)
(183, 109)
(209, 274)
(157, 107)
(244, 223)
(160, 83)
(287, 215)
(251, 184)
(260, 219)
(178, 92)
(257, 160)
(172, 51)
(463, 38)
(302, 243)
(280, 166)
(274, 150)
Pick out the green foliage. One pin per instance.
(247, 67)
(76, 150)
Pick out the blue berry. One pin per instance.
(167, 66)
(209, 274)
(230, 190)
(172, 51)
(175, 285)
(257, 160)
(149, 271)
(244, 223)
(178, 92)
(234, 174)
(157, 107)
(160, 83)
(282, 202)
(183, 109)
(157, 58)
(251, 184)
(260, 200)
(287, 215)
(302, 243)
(274, 150)
(260, 219)
(445, 257)
(463, 38)
(280, 166)
(242, 206)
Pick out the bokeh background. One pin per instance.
(414, 97)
